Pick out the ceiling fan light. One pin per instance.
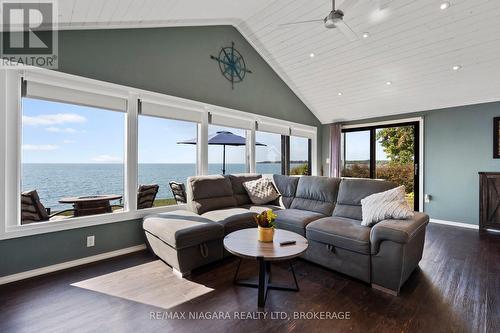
(330, 23)
(444, 5)
(332, 18)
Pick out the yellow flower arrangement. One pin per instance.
(266, 219)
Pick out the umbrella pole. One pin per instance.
(223, 159)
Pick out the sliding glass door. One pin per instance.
(384, 152)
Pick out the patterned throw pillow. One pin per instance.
(261, 191)
(385, 205)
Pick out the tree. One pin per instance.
(302, 169)
(398, 143)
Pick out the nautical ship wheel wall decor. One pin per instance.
(231, 64)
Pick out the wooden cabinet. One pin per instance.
(489, 200)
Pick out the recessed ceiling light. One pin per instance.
(388, 83)
(366, 34)
(311, 55)
(457, 67)
(444, 5)
(340, 93)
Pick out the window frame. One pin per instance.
(10, 144)
(189, 118)
(419, 153)
(283, 156)
(286, 144)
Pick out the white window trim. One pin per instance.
(49, 92)
(420, 120)
(263, 126)
(10, 145)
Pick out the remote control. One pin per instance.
(287, 243)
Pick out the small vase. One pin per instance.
(265, 234)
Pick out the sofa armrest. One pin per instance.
(399, 231)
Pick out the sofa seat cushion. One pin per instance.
(260, 208)
(182, 228)
(296, 219)
(340, 232)
(232, 218)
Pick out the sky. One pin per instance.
(66, 133)
(63, 133)
(358, 147)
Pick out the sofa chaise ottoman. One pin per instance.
(184, 240)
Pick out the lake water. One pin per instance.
(55, 181)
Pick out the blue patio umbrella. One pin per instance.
(222, 138)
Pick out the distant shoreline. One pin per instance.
(278, 162)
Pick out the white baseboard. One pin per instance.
(69, 264)
(455, 224)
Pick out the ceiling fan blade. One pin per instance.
(300, 22)
(382, 4)
(346, 5)
(346, 30)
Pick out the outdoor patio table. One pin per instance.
(92, 204)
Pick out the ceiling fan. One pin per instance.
(335, 19)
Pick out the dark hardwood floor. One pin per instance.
(456, 289)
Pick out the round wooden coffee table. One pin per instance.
(244, 244)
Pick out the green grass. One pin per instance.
(157, 203)
(164, 202)
(67, 214)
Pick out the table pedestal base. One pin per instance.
(264, 283)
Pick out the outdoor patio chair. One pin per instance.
(179, 192)
(146, 195)
(32, 210)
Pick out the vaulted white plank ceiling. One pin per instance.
(413, 44)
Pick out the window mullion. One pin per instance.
(250, 150)
(131, 155)
(13, 135)
(285, 151)
(373, 159)
(202, 146)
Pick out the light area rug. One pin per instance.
(152, 283)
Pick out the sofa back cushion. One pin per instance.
(206, 193)
(316, 194)
(352, 190)
(287, 186)
(239, 192)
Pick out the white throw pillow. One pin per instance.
(390, 204)
(261, 191)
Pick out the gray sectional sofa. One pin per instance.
(327, 211)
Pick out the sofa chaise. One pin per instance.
(327, 211)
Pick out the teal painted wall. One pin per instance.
(26, 253)
(458, 143)
(174, 61)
